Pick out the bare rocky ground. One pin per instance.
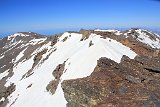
(129, 83)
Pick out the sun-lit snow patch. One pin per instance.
(20, 55)
(4, 74)
(1, 56)
(46, 46)
(33, 42)
(37, 41)
(12, 44)
(86, 57)
(16, 34)
(116, 32)
(3, 66)
(126, 33)
(2, 99)
(19, 71)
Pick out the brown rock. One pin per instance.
(115, 85)
(58, 71)
(52, 86)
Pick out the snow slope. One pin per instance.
(80, 60)
(144, 38)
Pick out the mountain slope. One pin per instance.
(40, 64)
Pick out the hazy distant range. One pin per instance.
(57, 31)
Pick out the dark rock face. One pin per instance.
(52, 86)
(53, 39)
(151, 64)
(5, 92)
(58, 71)
(128, 83)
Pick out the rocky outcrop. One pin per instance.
(149, 63)
(4, 93)
(7, 91)
(53, 39)
(39, 55)
(85, 34)
(52, 86)
(58, 71)
(128, 83)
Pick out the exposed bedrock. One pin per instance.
(133, 82)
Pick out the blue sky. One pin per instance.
(50, 15)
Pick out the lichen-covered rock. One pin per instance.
(115, 85)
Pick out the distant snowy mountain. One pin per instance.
(33, 66)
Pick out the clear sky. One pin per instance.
(51, 15)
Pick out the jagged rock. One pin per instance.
(54, 39)
(90, 43)
(58, 71)
(111, 84)
(52, 86)
(156, 53)
(85, 34)
(150, 63)
(65, 39)
(38, 57)
(5, 92)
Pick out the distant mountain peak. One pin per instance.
(144, 36)
(17, 34)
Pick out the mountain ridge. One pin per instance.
(37, 65)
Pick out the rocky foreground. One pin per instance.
(90, 68)
(132, 82)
